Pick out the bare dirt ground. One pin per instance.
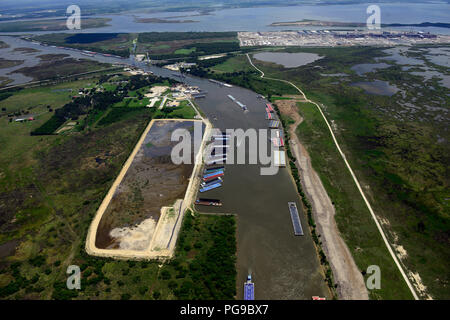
(346, 274)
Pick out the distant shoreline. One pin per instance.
(50, 25)
(319, 23)
(159, 20)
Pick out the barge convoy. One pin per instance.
(213, 175)
(240, 104)
(222, 84)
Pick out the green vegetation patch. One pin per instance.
(49, 25)
(117, 114)
(171, 36)
(183, 111)
(353, 218)
(54, 69)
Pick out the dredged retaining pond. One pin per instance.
(152, 182)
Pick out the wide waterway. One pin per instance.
(283, 266)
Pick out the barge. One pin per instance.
(208, 202)
(279, 158)
(274, 124)
(210, 174)
(278, 142)
(298, 231)
(221, 138)
(240, 104)
(211, 182)
(214, 176)
(213, 169)
(221, 83)
(216, 161)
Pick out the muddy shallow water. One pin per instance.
(151, 182)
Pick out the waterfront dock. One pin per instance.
(298, 231)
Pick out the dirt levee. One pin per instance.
(151, 182)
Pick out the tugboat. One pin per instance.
(249, 289)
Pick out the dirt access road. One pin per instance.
(346, 274)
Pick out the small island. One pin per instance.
(50, 25)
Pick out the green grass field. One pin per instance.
(36, 98)
(183, 111)
(234, 64)
(132, 103)
(185, 51)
